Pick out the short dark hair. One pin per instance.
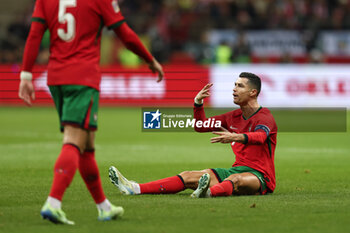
(253, 80)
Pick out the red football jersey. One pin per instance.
(75, 35)
(260, 129)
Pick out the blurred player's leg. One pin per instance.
(90, 173)
(64, 170)
(55, 215)
(74, 141)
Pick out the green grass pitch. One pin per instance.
(312, 194)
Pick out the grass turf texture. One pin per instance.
(312, 195)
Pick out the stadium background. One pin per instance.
(301, 49)
(305, 43)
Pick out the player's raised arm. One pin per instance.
(199, 114)
(26, 89)
(134, 44)
(202, 94)
(198, 111)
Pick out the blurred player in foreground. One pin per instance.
(74, 78)
(251, 131)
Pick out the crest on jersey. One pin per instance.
(115, 6)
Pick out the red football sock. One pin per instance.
(64, 170)
(224, 188)
(89, 172)
(172, 184)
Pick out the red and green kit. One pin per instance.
(75, 36)
(260, 132)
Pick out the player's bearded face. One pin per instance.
(241, 91)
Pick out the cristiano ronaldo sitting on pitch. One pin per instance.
(250, 130)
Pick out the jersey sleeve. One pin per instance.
(38, 14)
(35, 35)
(261, 132)
(132, 42)
(266, 124)
(110, 12)
(32, 46)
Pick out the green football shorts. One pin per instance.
(76, 105)
(222, 173)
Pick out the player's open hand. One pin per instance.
(224, 137)
(204, 93)
(227, 137)
(26, 91)
(155, 67)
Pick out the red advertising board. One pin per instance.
(120, 86)
(287, 86)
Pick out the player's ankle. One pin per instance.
(54, 202)
(208, 194)
(136, 188)
(105, 205)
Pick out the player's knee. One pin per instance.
(80, 147)
(75, 136)
(207, 171)
(90, 144)
(237, 180)
(185, 176)
(190, 177)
